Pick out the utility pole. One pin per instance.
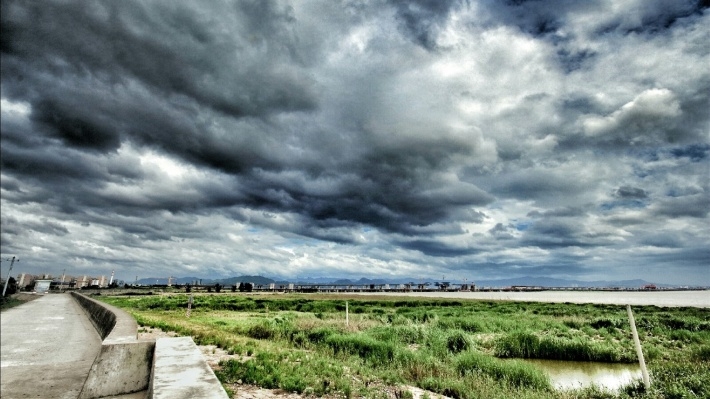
(7, 280)
(63, 274)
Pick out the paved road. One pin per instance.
(47, 347)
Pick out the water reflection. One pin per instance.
(570, 375)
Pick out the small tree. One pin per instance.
(11, 286)
(217, 288)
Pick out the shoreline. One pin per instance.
(696, 299)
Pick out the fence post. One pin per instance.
(189, 305)
(347, 315)
(639, 352)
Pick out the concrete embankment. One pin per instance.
(180, 372)
(166, 368)
(123, 364)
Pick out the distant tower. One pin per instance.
(111, 280)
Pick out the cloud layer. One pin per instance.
(463, 138)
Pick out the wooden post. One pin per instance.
(189, 305)
(639, 352)
(347, 315)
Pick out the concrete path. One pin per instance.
(47, 347)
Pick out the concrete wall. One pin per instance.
(124, 363)
(169, 368)
(181, 372)
(101, 317)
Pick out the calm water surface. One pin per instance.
(571, 375)
(698, 299)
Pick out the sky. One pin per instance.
(431, 138)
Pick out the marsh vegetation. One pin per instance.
(458, 348)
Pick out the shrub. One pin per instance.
(262, 371)
(319, 335)
(457, 342)
(401, 334)
(261, 331)
(529, 346)
(702, 353)
(362, 346)
(451, 388)
(299, 339)
(607, 323)
(574, 323)
(513, 372)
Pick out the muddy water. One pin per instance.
(570, 375)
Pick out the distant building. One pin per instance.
(24, 279)
(82, 281)
(42, 286)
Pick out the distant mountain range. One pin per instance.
(518, 281)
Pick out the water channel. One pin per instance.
(570, 375)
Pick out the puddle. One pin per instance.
(570, 375)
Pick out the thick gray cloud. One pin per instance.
(481, 138)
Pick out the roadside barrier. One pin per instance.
(166, 368)
(123, 364)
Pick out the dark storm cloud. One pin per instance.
(518, 137)
(540, 184)
(109, 74)
(562, 232)
(654, 17)
(501, 232)
(168, 46)
(662, 241)
(556, 234)
(144, 73)
(696, 152)
(423, 19)
(437, 248)
(559, 212)
(691, 261)
(627, 192)
(696, 206)
(506, 269)
(395, 198)
(544, 18)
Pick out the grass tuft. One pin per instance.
(513, 372)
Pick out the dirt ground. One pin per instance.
(26, 296)
(213, 355)
(19, 298)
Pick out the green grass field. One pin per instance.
(462, 349)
